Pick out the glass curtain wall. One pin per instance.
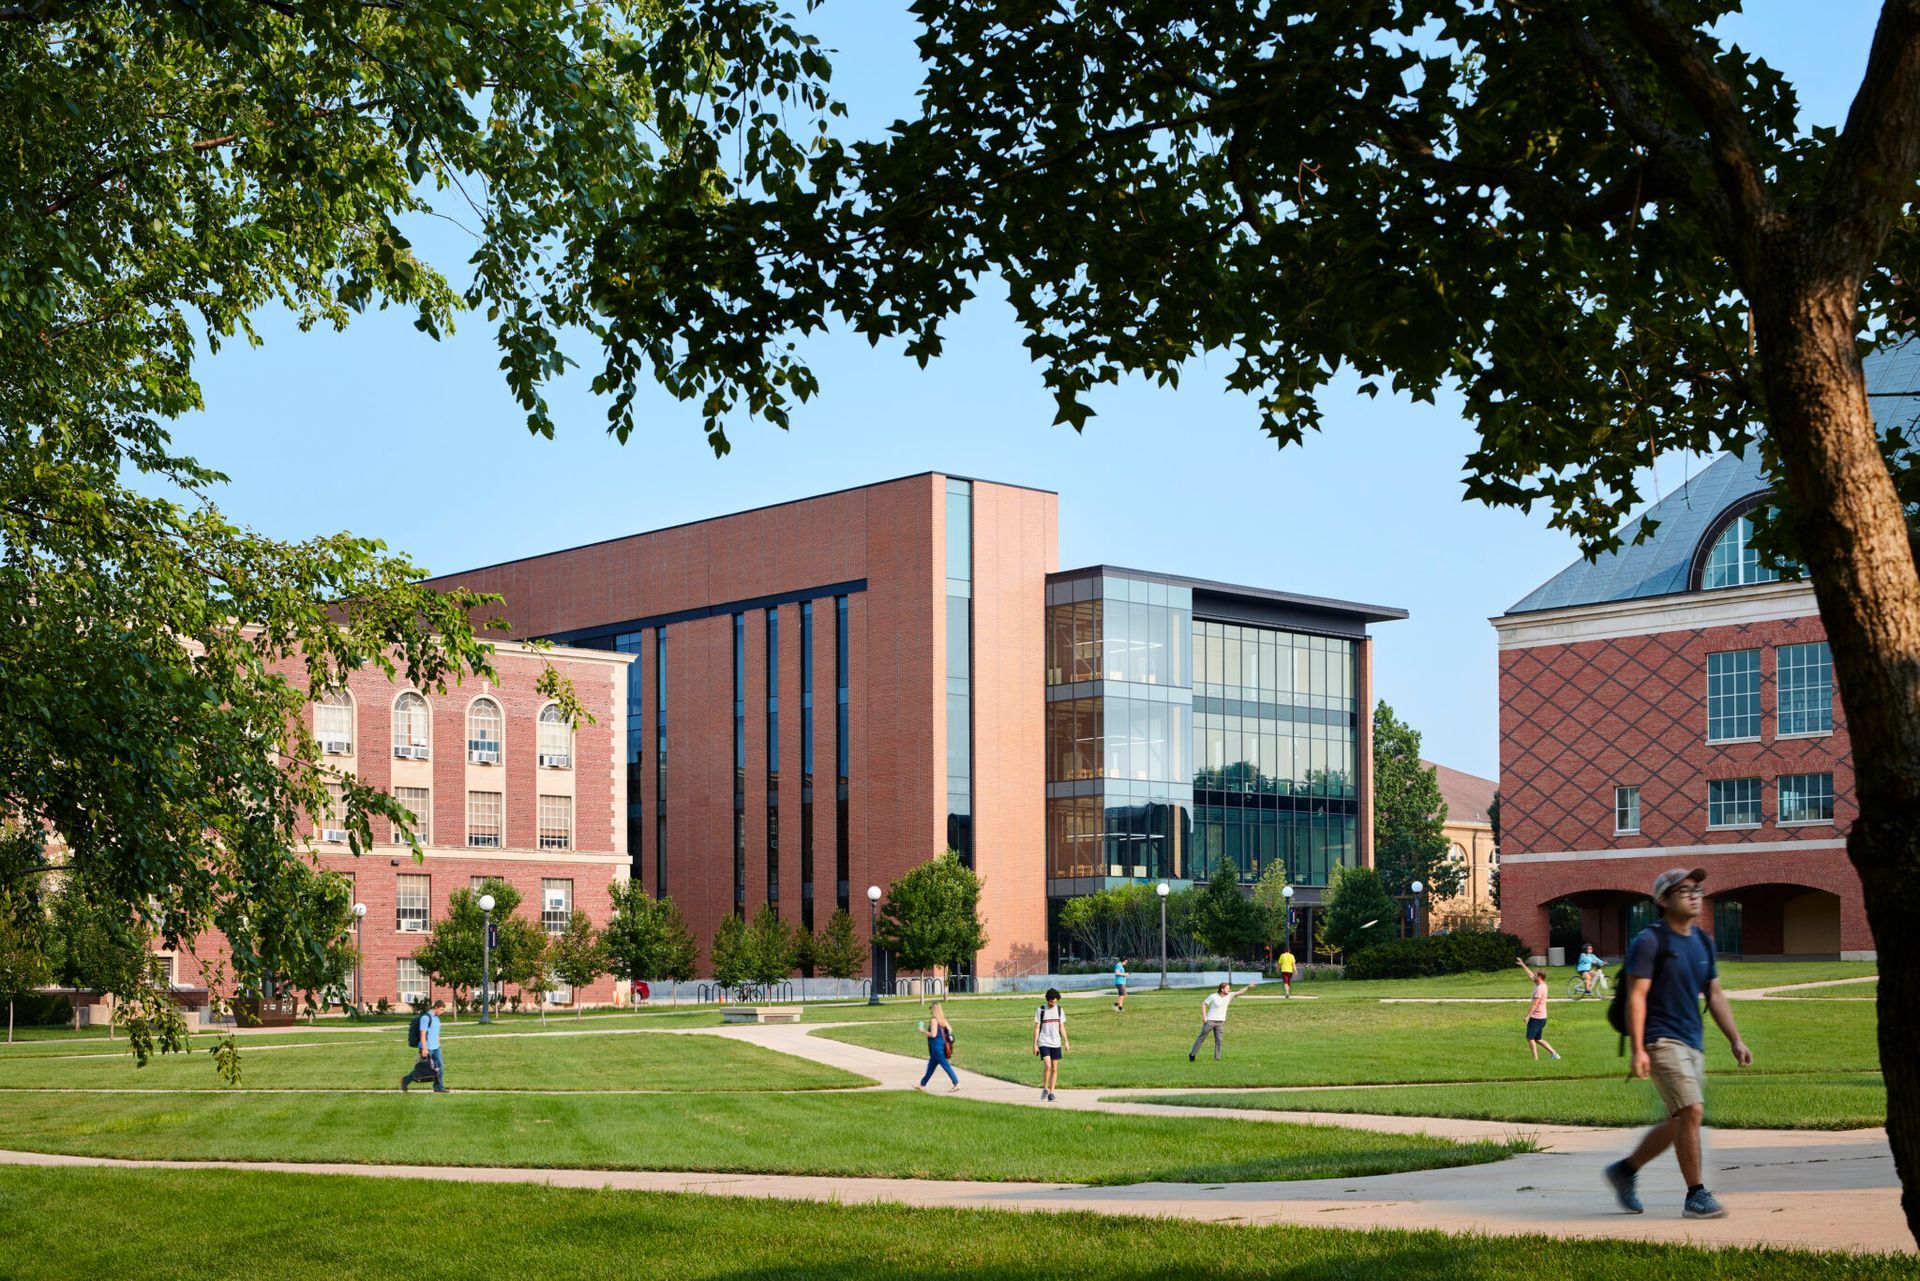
(773, 756)
(740, 764)
(806, 765)
(1119, 730)
(1276, 734)
(841, 753)
(630, 643)
(960, 669)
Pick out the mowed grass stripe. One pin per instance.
(896, 1134)
(574, 1235)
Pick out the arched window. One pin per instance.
(483, 732)
(333, 722)
(556, 739)
(411, 739)
(1733, 561)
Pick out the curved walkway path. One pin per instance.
(1804, 1189)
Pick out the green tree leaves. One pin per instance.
(932, 915)
(1409, 814)
(1358, 910)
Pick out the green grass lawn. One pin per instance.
(323, 1061)
(181, 1226)
(898, 1134)
(1274, 1042)
(1734, 1101)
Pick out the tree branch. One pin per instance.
(1672, 47)
(1872, 171)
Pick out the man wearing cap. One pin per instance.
(1669, 967)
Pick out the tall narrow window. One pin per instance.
(1733, 696)
(660, 761)
(636, 743)
(840, 844)
(410, 982)
(333, 823)
(333, 722)
(484, 724)
(556, 905)
(1805, 689)
(419, 803)
(740, 764)
(556, 822)
(484, 814)
(959, 663)
(806, 765)
(1806, 798)
(773, 755)
(412, 899)
(556, 739)
(1626, 810)
(412, 728)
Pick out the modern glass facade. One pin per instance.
(630, 643)
(740, 764)
(959, 668)
(841, 852)
(773, 757)
(806, 764)
(1177, 740)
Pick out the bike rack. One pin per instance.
(704, 993)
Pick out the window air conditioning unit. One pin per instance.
(334, 835)
(484, 755)
(413, 927)
(336, 746)
(411, 751)
(555, 760)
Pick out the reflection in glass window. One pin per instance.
(411, 727)
(1733, 802)
(1733, 561)
(1733, 695)
(1806, 798)
(1805, 688)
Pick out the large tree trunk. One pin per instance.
(1853, 536)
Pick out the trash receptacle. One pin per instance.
(1556, 956)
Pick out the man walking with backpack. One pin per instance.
(1669, 967)
(423, 1034)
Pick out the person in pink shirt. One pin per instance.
(1537, 1013)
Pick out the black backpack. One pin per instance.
(1617, 1008)
(413, 1031)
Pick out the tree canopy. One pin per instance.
(1358, 910)
(837, 951)
(1409, 814)
(932, 915)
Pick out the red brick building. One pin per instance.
(1672, 704)
(504, 789)
(826, 693)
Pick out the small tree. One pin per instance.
(24, 964)
(932, 916)
(1227, 921)
(730, 951)
(454, 952)
(95, 944)
(634, 939)
(1357, 902)
(680, 955)
(837, 952)
(1269, 895)
(579, 955)
(1409, 814)
(767, 957)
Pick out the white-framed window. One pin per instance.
(559, 993)
(484, 723)
(1733, 696)
(333, 722)
(412, 728)
(556, 822)
(1733, 561)
(333, 820)
(556, 739)
(419, 803)
(1806, 798)
(1805, 688)
(556, 905)
(485, 811)
(410, 981)
(477, 884)
(1626, 810)
(1733, 802)
(412, 902)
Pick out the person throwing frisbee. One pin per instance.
(1537, 1012)
(1213, 1019)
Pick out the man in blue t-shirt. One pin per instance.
(1669, 967)
(430, 1048)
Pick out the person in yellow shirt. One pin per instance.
(1286, 972)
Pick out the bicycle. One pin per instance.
(1577, 987)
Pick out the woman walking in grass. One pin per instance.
(1537, 1013)
(1050, 1041)
(939, 1046)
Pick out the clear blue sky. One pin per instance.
(385, 433)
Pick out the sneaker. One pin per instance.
(1701, 1205)
(404, 1082)
(1189, 1058)
(1556, 1056)
(1622, 1178)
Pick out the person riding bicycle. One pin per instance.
(1589, 967)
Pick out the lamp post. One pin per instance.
(1416, 887)
(873, 942)
(486, 959)
(1163, 889)
(359, 960)
(1286, 895)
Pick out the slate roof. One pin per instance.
(1467, 795)
(1660, 565)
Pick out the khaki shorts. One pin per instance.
(1680, 1074)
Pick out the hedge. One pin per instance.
(39, 1009)
(1430, 954)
